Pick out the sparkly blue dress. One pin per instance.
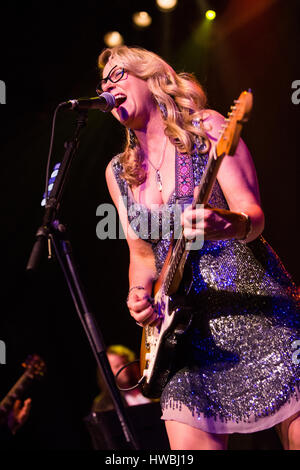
(240, 370)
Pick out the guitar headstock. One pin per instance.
(231, 129)
(35, 365)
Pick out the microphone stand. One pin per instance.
(53, 233)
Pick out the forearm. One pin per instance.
(243, 222)
(239, 227)
(257, 221)
(142, 272)
(141, 276)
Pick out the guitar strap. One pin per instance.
(184, 178)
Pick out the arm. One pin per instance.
(238, 181)
(142, 270)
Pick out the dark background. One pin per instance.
(49, 54)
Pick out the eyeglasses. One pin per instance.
(114, 76)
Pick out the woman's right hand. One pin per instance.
(141, 307)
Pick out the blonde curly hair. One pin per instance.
(180, 96)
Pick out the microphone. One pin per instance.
(105, 102)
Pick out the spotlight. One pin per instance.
(142, 19)
(210, 15)
(166, 5)
(113, 38)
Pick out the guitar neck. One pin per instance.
(172, 270)
(15, 392)
(202, 195)
(203, 191)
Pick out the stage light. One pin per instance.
(142, 19)
(166, 5)
(210, 15)
(113, 38)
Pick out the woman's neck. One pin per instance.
(152, 135)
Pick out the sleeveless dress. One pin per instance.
(241, 370)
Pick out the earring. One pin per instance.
(163, 109)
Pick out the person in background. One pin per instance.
(118, 356)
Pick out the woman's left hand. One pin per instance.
(213, 224)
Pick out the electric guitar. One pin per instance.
(35, 367)
(159, 343)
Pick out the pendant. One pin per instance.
(158, 180)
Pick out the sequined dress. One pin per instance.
(241, 370)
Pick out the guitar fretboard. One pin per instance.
(203, 192)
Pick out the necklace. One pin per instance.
(156, 169)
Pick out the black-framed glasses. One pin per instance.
(114, 76)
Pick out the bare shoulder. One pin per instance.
(212, 121)
(111, 181)
(136, 244)
(237, 174)
(109, 174)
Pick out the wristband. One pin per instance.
(134, 287)
(248, 228)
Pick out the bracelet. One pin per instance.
(248, 228)
(134, 287)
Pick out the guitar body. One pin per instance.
(160, 345)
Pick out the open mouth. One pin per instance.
(120, 98)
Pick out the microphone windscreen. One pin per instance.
(110, 99)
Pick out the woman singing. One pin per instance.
(238, 372)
